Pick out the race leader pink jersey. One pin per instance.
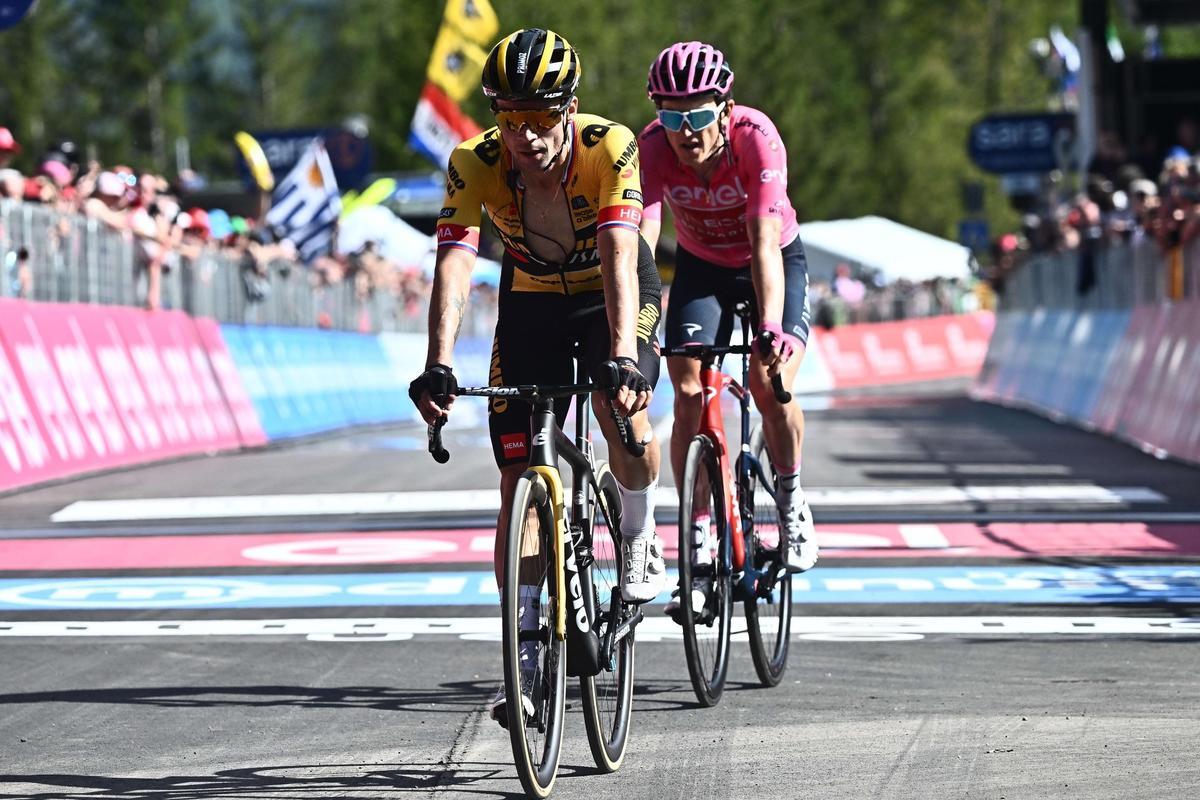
(710, 217)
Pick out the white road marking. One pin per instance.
(924, 537)
(487, 500)
(654, 628)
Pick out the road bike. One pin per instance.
(572, 555)
(730, 544)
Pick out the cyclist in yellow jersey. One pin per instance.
(563, 190)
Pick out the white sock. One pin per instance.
(527, 620)
(790, 493)
(701, 532)
(637, 509)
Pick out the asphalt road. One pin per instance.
(1046, 650)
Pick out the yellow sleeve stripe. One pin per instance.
(547, 52)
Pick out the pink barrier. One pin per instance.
(912, 350)
(84, 388)
(1162, 407)
(1143, 386)
(238, 401)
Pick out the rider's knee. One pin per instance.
(765, 400)
(687, 401)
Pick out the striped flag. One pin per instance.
(455, 63)
(438, 125)
(305, 205)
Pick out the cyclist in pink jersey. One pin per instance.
(722, 169)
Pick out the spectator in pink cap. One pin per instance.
(58, 172)
(8, 147)
(107, 202)
(12, 183)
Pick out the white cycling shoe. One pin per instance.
(797, 524)
(700, 590)
(498, 708)
(643, 569)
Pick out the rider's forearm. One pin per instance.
(448, 302)
(766, 266)
(618, 259)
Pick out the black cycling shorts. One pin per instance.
(703, 295)
(536, 333)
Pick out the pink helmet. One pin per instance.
(688, 68)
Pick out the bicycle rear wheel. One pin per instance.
(769, 612)
(706, 629)
(536, 738)
(608, 695)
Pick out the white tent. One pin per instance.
(878, 245)
(401, 243)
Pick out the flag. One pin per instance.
(474, 19)
(1113, 39)
(453, 73)
(455, 64)
(439, 125)
(305, 204)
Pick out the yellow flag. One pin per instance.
(373, 195)
(474, 19)
(455, 64)
(256, 160)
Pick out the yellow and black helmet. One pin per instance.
(531, 64)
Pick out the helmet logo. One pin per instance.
(522, 61)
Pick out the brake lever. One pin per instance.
(440, 454)
(624, 427)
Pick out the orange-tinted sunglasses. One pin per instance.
(539, 120)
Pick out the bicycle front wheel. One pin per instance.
(608, 695)
(536, 737)
(703, 548)
(769, 612)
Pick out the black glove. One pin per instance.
(438, 380)
(629, 376)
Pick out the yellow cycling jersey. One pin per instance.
(602, 187)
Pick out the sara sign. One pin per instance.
(1013, 143)
(13, 11)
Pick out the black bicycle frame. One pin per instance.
(587, 654)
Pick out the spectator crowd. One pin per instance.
(168, 233)
(1125, 198)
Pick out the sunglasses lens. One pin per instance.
(671, 120)
(697, 119)
(541, 120)
(701, 118)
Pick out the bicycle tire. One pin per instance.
(536, 743)
(769, 612)
(608, 695)
(706, 631)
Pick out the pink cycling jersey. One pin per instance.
(710, 216)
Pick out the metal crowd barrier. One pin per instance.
(74, 258)
(1122, 276)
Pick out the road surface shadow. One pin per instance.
(308, 781)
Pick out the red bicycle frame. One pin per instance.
(713, 381)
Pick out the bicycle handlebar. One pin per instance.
(703, 351)
(535, 392)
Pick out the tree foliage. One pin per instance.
(873, 97)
